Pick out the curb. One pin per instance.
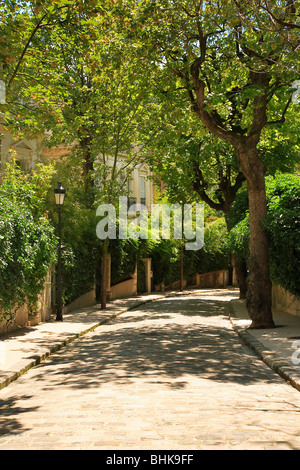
(270, 358)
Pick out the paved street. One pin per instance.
(171, 374)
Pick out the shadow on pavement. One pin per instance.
(168, 339)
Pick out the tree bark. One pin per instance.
(241, 274)
(104, 274)
(259, 286)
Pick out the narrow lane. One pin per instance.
(169, 375)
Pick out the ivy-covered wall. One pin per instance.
(27, 240)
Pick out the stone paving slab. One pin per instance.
(22, 349)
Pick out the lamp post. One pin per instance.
(59, 199)
(181, 248)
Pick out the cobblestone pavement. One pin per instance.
(171, 374)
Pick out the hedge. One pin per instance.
(283, 227)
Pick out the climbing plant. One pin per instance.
(27, 242)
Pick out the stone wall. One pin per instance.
(284, 301)
(213, 279)
(23, 318)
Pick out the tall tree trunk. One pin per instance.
(88, 161)
(241, 274)
(259, 286)
(104, 275)
(237, 263)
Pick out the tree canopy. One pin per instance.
(89, 73)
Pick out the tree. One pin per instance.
(238, 80)
(193, 163)
(79, 85)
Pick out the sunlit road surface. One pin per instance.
(171, 374)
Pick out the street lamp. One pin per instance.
(59, 199)
(181, 248)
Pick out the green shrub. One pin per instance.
(238, 238)
(283, 226)
(78, 271)
(165, 255)
(124, 255)
(215, 255)
(27, 248)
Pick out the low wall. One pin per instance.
(284, 301)
(20, 321)
(86, 300)
(281, 299)
(119, 291)
(213, 279)
(124, 289)
(23, 318)
(174, 286)
(45, 301)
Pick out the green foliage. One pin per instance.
(215, 255)
(165, 256)
(239, 207)
(27, 243)
(83, 71)
(80, 247)
(238, 238)
(282, 224)
(124, 255)
(78, 272)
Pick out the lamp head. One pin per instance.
(59, 194)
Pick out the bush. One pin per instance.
(78, 271)
(215, 254)
(283, 226)
(27, 245)
(124, 256)
(165, 254)
(238, 238)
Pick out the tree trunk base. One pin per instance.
(261, 325)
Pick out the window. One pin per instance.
(142, 190)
